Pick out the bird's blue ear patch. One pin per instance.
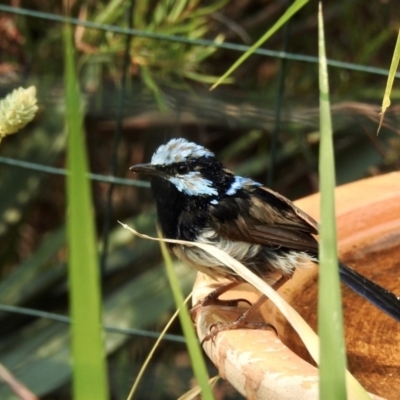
(178, 150)
(238, 184)
(193, 184)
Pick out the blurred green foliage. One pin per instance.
(157, 63)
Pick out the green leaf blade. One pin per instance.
(330, 315)
(89, 363)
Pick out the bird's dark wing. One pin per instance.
(264, 218)
(282, 236)
(271, 220)
(290, 212)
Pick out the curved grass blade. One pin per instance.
(307, 335)
(153, 350)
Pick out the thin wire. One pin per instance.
(63, 171)
(66, 320)
(199, 42)
(116, 142)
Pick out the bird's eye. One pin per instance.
(182, 169)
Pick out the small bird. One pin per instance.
(201, 201)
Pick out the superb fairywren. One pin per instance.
(200, 200)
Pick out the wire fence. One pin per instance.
(62, 171)
(66, 320)
(114, 180)
(196, 42)
(152, 35)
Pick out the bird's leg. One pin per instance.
(212, 299)
(242, 322)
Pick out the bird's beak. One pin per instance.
(146, 169)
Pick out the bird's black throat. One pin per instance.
(180, 216)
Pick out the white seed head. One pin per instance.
(16, 110)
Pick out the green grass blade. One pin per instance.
(89, 363)
(195, 353)
(296, 6)
(330, 316)
(392, 74)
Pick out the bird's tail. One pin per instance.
(375, 294)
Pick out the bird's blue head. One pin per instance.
(186, 180)
(190, 169)
(183, 164)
